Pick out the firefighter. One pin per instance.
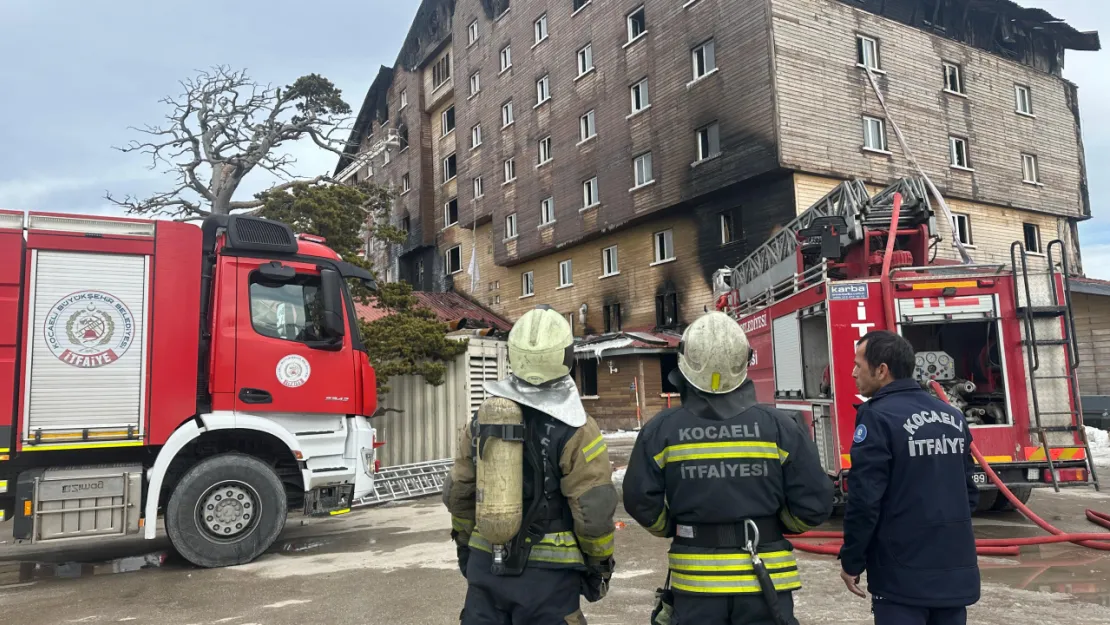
(558, 489)
(910, 495)
(725, 477)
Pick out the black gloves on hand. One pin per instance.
(595, 582)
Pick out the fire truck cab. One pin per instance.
(999, 339)
(214, 376)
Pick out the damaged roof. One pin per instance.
(1040, 19)
(628, 342)
(451, 308)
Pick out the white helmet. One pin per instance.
(541, 346)
(713, 355)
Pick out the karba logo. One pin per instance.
(755, 323)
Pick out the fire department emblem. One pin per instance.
(89, 329)
(293, 371)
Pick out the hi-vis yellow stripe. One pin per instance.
(720, 450)
(339, 512)
(995, 459)
(594, 449)
(82, 446)
(922, 286)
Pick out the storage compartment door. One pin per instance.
(87, 361)
(788, 356)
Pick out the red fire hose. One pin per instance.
(989, 546)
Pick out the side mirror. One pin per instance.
(370, 284)
(331, 289)
(277, 272)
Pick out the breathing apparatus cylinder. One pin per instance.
(499, 498)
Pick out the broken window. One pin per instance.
(612, 317)
(666, 309)
(441, 72)
(403, 137)
(1032, 234)
(667, 364)
(587, 377)
(637, 24)
(867, 52)
(727, 233)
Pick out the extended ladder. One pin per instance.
(1052, 356)
(407, 481)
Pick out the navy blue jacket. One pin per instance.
(910, 499)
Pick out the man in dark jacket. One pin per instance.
(719, 472)
(910, 495)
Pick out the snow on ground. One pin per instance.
(1100, 445)
(621, 435)
(618, 477)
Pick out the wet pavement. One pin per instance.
(395, 564)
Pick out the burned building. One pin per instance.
(606, 158)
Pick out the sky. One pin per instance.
(75, 74)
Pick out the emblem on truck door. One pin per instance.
(89, 329)
(293, 371)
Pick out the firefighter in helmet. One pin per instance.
(531, 493)
(725, 478)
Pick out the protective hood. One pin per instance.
(714, 405)
(558, 399)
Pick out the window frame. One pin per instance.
(861, 52)
(610, 261)
(1029, 161)
(539, 30)
(447, 260)
(527, 284)
(727, 227)
(566, 273)
(547, 211)
(543, 88)
(509, 166)
(1036, 229)
(440, 77)
(641, 91)
(475, 83)
(544, 148)
(1019, 91)
(447, 223)
(588, 390)
(448, 115)
(953, 152)
(505, 58)
(479, 187)
(956, 230)
(585, 59)
(446, 160)
(608, 317)
(961, 87)
(628, 20)
(472, 32)
(712, 134)
(476, 136)
(404, 99)
(590, 190)
(868, 134)
(587, 123)
(663, 242)
(301, 279)
(406, 183)
(507, 113)
(708, 50)
(649, 171)
(511, 231)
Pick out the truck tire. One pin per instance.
(987, 499)
(1023, 493)
(226, 510)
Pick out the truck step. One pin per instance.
(1055, 428)
(1042, 312)
(1044, 342)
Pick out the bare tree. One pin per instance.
(223, 127)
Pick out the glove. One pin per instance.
(595, 581)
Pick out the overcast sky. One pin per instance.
(74, 74)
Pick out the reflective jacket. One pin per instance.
(910, 498)
(580, 491)
(709, 465)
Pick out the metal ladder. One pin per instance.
(1042, 313)
(407, 481)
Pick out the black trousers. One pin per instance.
(887, 613)
(536, 597)
(693, 609)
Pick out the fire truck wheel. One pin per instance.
(226, 510)
(1023, 493)
(987, 500)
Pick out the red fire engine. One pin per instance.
(213, 374)
(999, 339)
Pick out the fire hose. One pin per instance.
(989, 546)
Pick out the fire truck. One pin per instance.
(1000, 339)
(212, 374)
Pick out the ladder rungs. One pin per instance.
(1050, 377)
(1055, 428)
(1046, 342)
